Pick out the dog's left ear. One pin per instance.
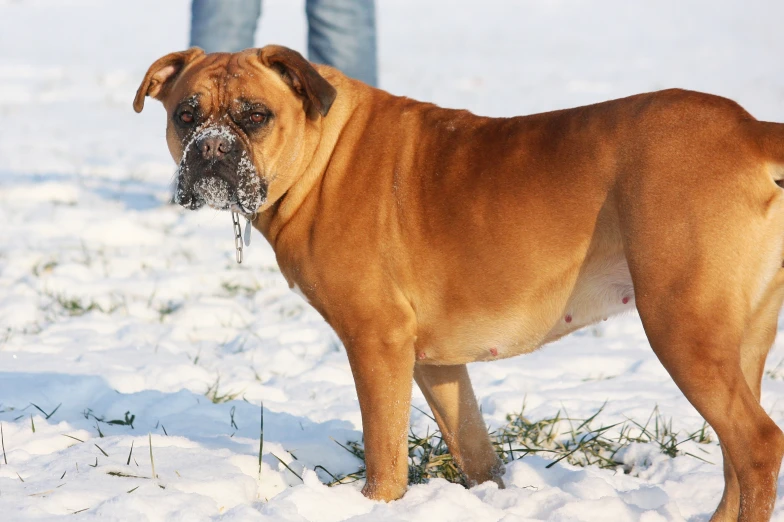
(300, 75)
(162, 74)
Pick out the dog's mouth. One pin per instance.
(229, 184)
(216, 192)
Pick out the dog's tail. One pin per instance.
(769, 137)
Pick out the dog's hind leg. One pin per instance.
(697, 325)
(704, 269)
(451, 398)
(758, 338)
(703, 357)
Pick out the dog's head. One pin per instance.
(236, 122)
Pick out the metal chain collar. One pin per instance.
(237, 236)
(238, 239)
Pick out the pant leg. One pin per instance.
(224, 25)
(342, 33)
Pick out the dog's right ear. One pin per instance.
(162, 74)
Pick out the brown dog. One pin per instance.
(430, 238)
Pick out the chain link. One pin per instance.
(235, 217)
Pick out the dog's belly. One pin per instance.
(603, 289)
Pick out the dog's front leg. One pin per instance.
(383, 368)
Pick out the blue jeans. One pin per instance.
(341, 33)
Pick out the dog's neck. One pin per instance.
(272, 220)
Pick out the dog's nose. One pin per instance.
(214, 147)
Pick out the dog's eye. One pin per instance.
(186, 117)
(258, 117)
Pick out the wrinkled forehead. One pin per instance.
(220, 80)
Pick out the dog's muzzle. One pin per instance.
(216, 170)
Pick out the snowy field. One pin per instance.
(116, 306)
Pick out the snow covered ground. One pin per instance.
(113, 301)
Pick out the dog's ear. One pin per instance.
(300, 75)
(162, 74)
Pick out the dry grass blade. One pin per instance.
(127, 421)
(261, 437)
(152, 460)
(128, 463)
(46, 415)
(287, 466)
(2, 441)
(42, 494)
(424, 413)
(325, 470)
(125, 475)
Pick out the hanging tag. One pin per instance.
(248, 228)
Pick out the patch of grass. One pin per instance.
(44, 267)
(235, 289)
(580, 442)
(214, 394)
(166, 309)
(46, 415)
(776, 372)
(76, 306)
(428, 458)
(126, 421)
(125, 475)
(289, 311)
(600, 377)
(6, 336)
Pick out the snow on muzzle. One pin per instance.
(216, 170)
